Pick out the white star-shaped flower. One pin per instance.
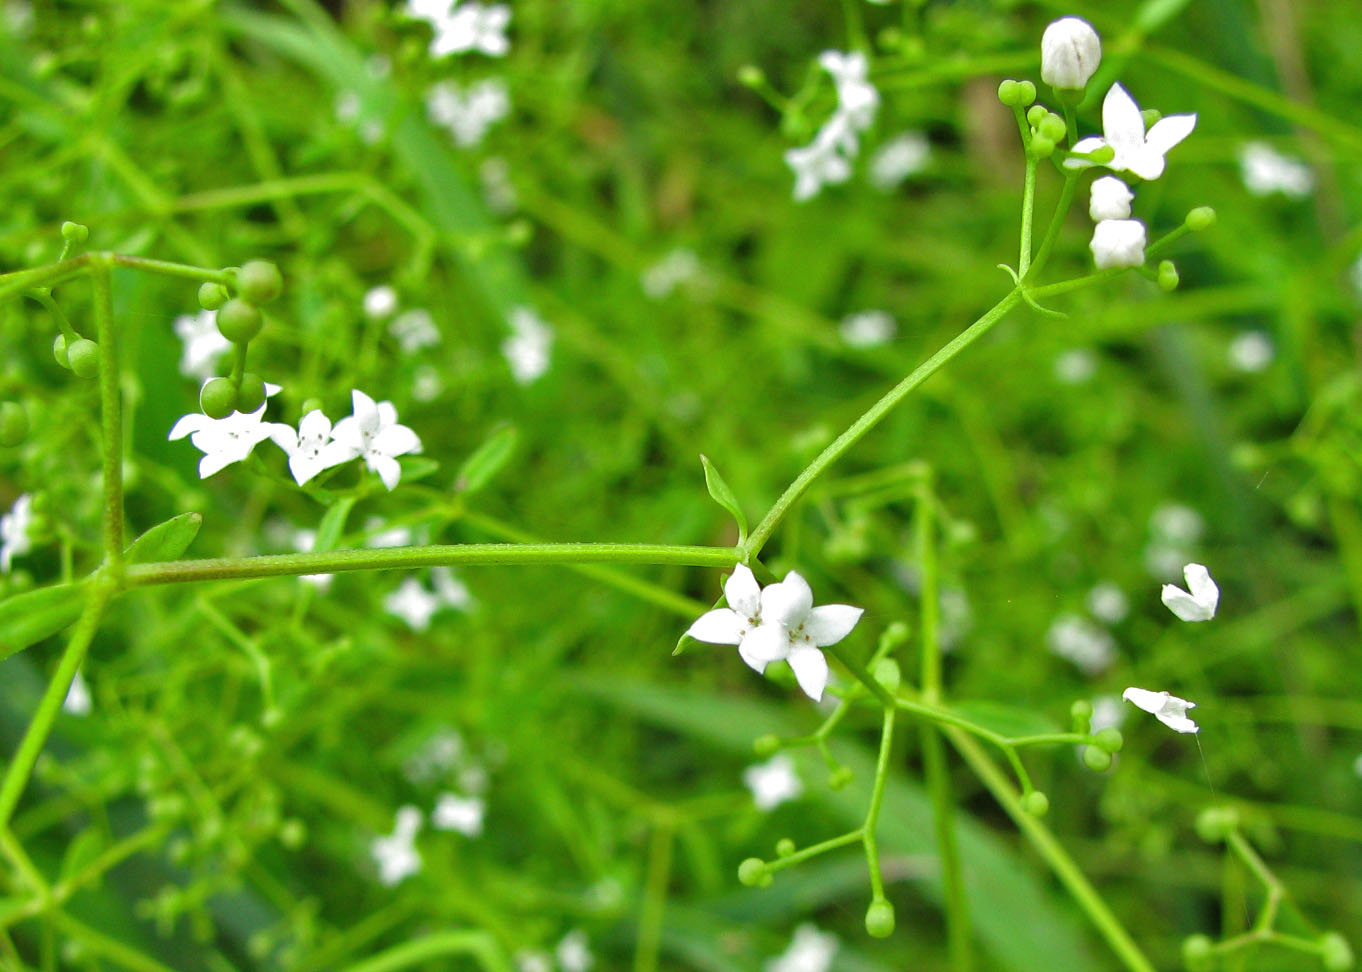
(203, 342)
(1080, 641)
(310, 449)
(573, 954)
(822, 161)
(14, 530)
(1265, 171)
(778, 623)
(226, 440)
(1201, 603)
(902, 156)
(413, 604)
(857, 98)
(867, 329)
(1137, 152)
(373, 434)
(1168, 709)
(78, 701)
(533, 962)
(380, 302)
(396, 854)
(464, 814)
(773, 782)
(471, 26)
(468, 115)
(527, 349)
(810, 950)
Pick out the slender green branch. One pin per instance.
(813, 850)
(166, 268)
(19, 281)
(872, 816)
(478, 944)
(110, 414)
(1028, 215)
(1066, 198)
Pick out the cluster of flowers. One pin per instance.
(827, 159)
(464, 25)
(396, 855)
(571, 954)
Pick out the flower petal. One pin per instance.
(1143, 162)
(192, 422)
(742, 592)
(314, 425)
(1202, 587)
(1184, 605)
(1122, 123)
(830, 623)
(787, 602)
(764, 644)
(388, 469)
(348, 433)
(214, 462)
(396, 440)
(722, 626)
(810, 669)
(1090, 144)
(1169, 131)
(364, 409)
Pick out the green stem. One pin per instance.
(872, 816)
(110, 415)
(166, 268)
(19, 281)
(870, 419)
(53, 308)
(478, 944)
(813, 850)
(1066, 198)
(1027, 215)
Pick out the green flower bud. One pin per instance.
(767, 745)
(887, 674)
(292, 833)
(879, 919)
(751, 76)
(1052, 127)
(1036, 803)
(1196, 953)
(1042, 147)
(310, 405)
(896, 634)
(13, 424)
(59, 351)
(1214, 824)
(1335, 952)
(1036, 114)
(1203, 217)
(212, 295)
(840, 778)
(1097, 759)
(83, 355)
(785, 847)
(251, 394)
(1150, 116)
(74, 232)
(259, 282)
(1010, 93)
(1081, 711)
(217, 398)
(1109, 739)
(1102, 154)
(1168, 275)
(239, 321)
(753, 872)
(1028, 93)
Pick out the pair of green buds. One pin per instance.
(239, 320)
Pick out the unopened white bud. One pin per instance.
(1110, 199)
(1070, 51)
(1118, 243)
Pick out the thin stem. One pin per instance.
(1027, 215)
(1066, 198)
(19, 281)
(53, 308)
(166, 268)
(872, 816)
(813, 850)
(110, 415)
(870, 419)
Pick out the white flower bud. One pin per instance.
(1110, 199)
(1070, 51)
(1118, 243)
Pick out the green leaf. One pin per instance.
(723, 494)
(1008, 720)
(331, 528)
(165, 541)
(80, 852)
(487, 460)
(31, 617)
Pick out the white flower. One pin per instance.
(471, 26)
(1109, 198)
(821, 162)
(310, 449)
(226, 440)
(573, 954)
(778, 623)
(1265, 171)
(428, 9)
(464, 814)
(414, 331)
(1168, 709)
(436, 757)
(373, 434)
(1200, 604)
(413, 604)
(451, 591)
(867, 329)
(1118, 243)
(857, 98)
(78, 701)
(773, 782)
(1251, 352)
(203, 342)
(1076, 366)
(497, 190)
(14, 531)
(1108, 603)
(902, 156)
(1081, 642)
(380, 302)
(810, 951)
(1176, 523)
(676, 268)
(1070, 51)
(398, 536)
(348, 106)
(467, 115)
(1123, 130)
(527, 349)
(533, 962)
(396, 853)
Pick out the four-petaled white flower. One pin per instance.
(380, 301)
(1168, 709)
(373, 434)
(1118, 243)
(533, 962)
(1265, 171)
(14, 531)
(463, 814)
(1200, 604)
(416, 605)
(415, 330)
(468, 114)
(1109, 198)
(778, 623)
(573, 953)
(773, 782)
(396, 854)
(867, 329)
(226, 440)
(78, 701)
(1137, 152)
(527, 349)
(203, 342)
(1070, 51)
(857, 98)
(821, 162)
(810, 950)
(310, 448)
(1251, 352)
(1080, 641)
(471, 26)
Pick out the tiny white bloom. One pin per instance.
(226, 440)
(463, 814)
(14, 531)
(810, 950)
(778, 623)
(1076, 366)
(396, 854)
(380, 302)
(822, 161)
(1070, 51)
(451, 591)
(1265, 171)
(1108, 603)
(203, 343)
(1118, 243)
(867, 329)
(414, 331)
(527, 349)
(471, 26)
(1109, 198)
(78, 701)
(673, 270)
(533, 962)
(1081, 642)
(348, 106)
(902, 156)
(373, 434)
(1168, 709)
(1176, 523)
(468, 114)
(413, 604)
(428, 9)
(497, 189)
(573, 954)
(1137, 152)
(857, 98)
(1251, 352)
(1200, 604)
(773, 782)
(310, 448)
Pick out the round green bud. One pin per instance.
(259, 282)
(1168, 276)
(1036, 114)
(1335, 952)
(879, 919)
(83, 355)
(13, 423)
(251, 394)
(753, 872)
(751, 76)
(1203, 217)
(785, 847)
(1151, 117)
(239, 321)
(1036, 803)
(1102, 154)
(1214, 824)
(1096, 759)
(59, 351)
(1109, 739)
(1028, 93)
(1196, 953)
(212, 295)
(767, 745)
(1010, 93)
(217, 398)
(1052, 127)
(1042, 147)
(519, 232)
(840, 778)
(74, 232)
(310, 405)
(292, 833)
(896, 634)
(888, 675)
(1081, 711)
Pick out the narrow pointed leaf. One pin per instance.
(31, 617)
(165, 541)
(722, 493)
(333, 525)
(487, 460)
